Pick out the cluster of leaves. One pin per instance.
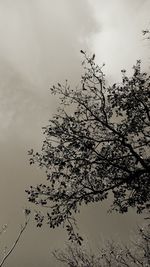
(146, 33)
(97, 143)
(136, 254)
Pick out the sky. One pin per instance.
(40, 43)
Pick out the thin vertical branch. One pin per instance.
(14, 244)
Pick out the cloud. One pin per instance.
(40, 38)
(119, 42)
(40, 44)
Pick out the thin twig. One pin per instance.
(14, 244)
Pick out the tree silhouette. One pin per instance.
(135, 254)
(97, 143)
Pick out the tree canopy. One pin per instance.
(96, 144)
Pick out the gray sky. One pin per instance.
(40, 42)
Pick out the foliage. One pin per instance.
(97, 143)
(137, 254)
(146, 33)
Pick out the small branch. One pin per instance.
(14, 245)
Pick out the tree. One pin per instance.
(97, 143)
(135, 254)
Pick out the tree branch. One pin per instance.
(15, 244)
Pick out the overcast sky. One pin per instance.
(119, 42)
(40, 42)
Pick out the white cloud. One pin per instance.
(119, 42)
